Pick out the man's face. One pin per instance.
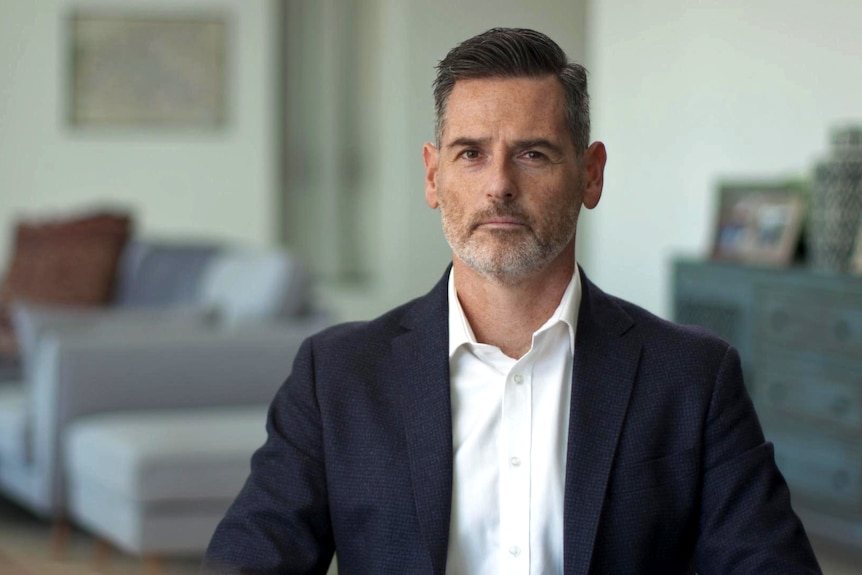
(507, 177)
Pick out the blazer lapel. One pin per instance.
(422, 371)
(605, 363)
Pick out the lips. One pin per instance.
(504, 221)
(501, 224)
(497, 220)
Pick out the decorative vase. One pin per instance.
(836, 202)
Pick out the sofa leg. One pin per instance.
(102, 551)
(153, 565)
(60, 532)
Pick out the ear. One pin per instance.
(594, 160)
(432, 158)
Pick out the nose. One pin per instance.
(502, 180)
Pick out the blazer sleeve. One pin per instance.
(280, 522)
(746, 521)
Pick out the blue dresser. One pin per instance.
(799, 334)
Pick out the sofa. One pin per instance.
(156, 477)
(192, 327)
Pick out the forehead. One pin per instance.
(520, 104)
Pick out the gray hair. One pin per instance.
(514, 53)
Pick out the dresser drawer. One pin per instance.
(813, 391)
(810, 319)
(799, 333)
(820, 470)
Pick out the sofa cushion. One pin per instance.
(68, 262)
(250, 286)
(167, 455)
(162, 274)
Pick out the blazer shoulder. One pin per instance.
(662, 334)
(367, 334)
(617, 316)
(427, 311)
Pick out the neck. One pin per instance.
(505, 314)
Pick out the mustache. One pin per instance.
(507, 210)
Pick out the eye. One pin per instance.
(534, 155)
(469, 154)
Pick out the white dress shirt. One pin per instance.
(510, 422)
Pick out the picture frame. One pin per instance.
(147, 70)
(758, 223)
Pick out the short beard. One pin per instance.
(514, 254)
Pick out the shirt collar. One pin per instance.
(460, 332)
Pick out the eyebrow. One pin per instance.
(519, 144)
(463, 142)
(538, 143)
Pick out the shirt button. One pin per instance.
(518, 378)
(514, 550)
(516, 461)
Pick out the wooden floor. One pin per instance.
(25, 549)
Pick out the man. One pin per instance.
(516, 419)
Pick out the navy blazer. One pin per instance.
(667, 470)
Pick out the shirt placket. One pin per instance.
(515, 469)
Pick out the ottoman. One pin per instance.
(156, 483)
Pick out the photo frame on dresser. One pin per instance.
(758, 222)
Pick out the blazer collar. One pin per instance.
(607, 352)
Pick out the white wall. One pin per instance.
(181, 183)
(687, 93)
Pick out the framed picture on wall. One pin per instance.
(758, 223)
(147, 70)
